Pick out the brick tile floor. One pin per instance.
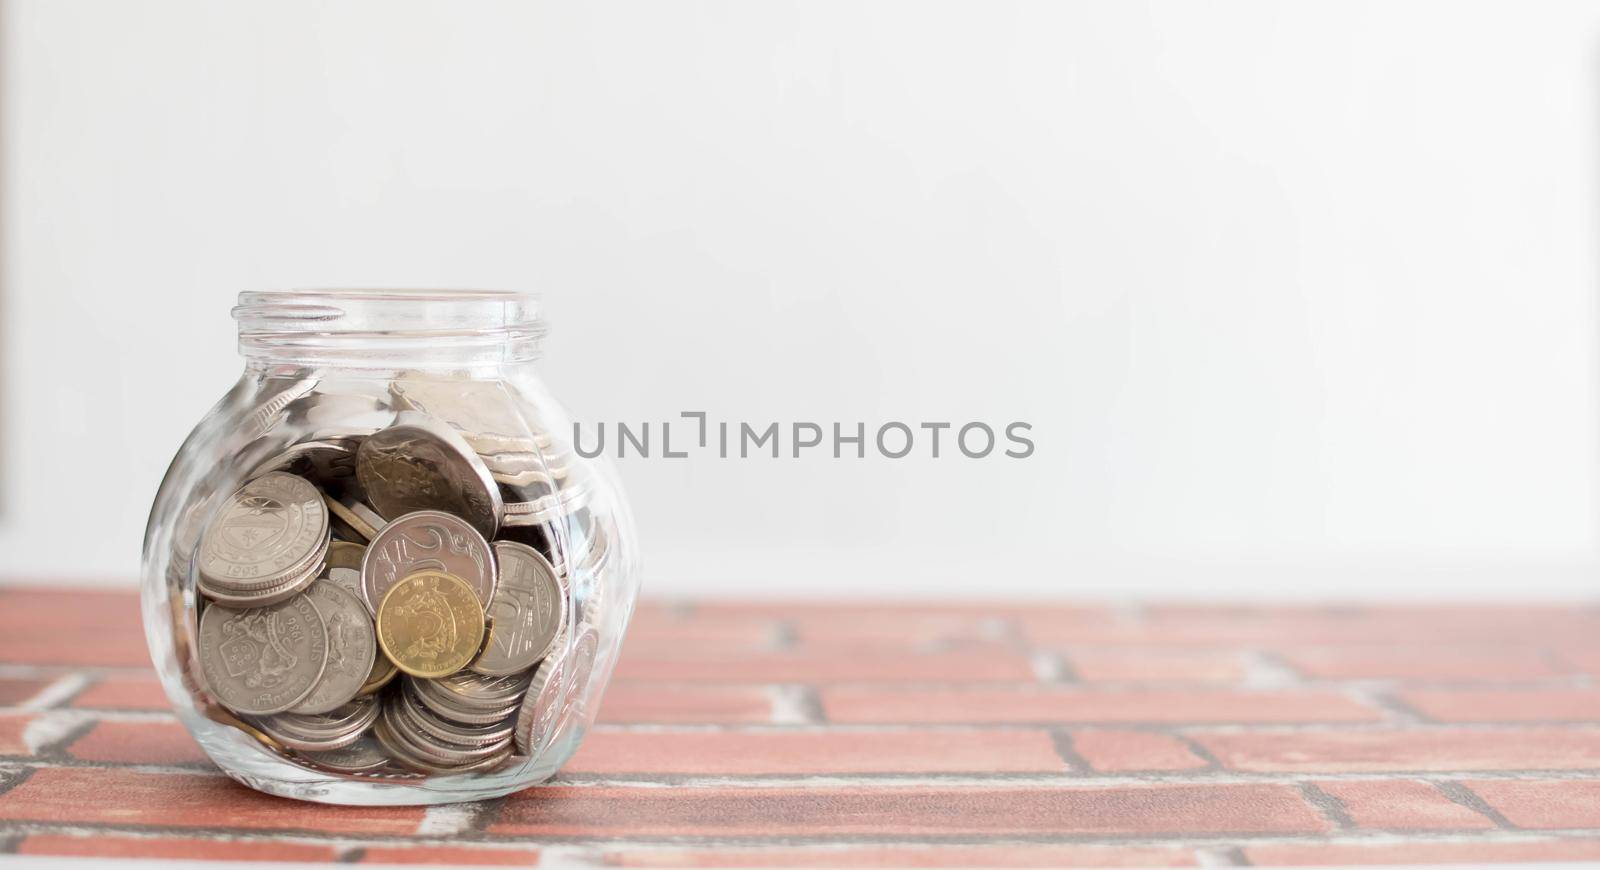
(882, 735)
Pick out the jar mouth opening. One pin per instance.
(396, 294)
(368, 323)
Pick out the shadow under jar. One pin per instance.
(377, 572)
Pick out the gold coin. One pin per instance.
(430, 624)
(343, 554)
(382, 672)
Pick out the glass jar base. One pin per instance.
(251, 764)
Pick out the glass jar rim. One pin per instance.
(351, 324)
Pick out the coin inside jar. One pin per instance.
(528, 611)
(558, 684)
(265, 659)
(430, 624)
(427, 541)
(328, 463)
(420, 463)
(485, 413)
(342, 565)
(352, 648)
(265, 534)
(361, 755)
(349, 524)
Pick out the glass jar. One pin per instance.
(377, 572)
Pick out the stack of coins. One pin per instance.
(462, 559)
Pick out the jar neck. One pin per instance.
(388, 329)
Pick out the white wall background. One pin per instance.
(1300, 298)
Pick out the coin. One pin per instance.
(268, 413)
(555, 466)
(430, 624)
(330, 464)
(352, 648)
(382, 672)
(489, 416)
(340, 727)
(472, 698)
(265, 533)
(349, 519)
(334, 416)
(258, 597)
(420, 464)
(343, 566)
(427, 541)
(528, 611)
(344, 554)
(557, 505)
(574, 706)
(559, 683)
(409, 743)
(453, 735)
(363, 754)
(265, 659)
(365, 514)
(480, 688)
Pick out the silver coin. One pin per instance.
(488, 414)
(449, 733)
(348, 579)
(348, 718)
(265, 533)
(555, 466)
(344, 565)
(265, 659)
(527, 613)
(362, 754)
(243, 599)
(573, 709)
(268, 413)
(483, 689)
(398, 729)
(350, 525)
(402, 753)
(336, 416)
(336, 730)
(426, 541)
(547, 509)
(457, 707)
(329, 463)
(366, 514)
(422, 464)
(558, 685)
(534, 478)
(352, 648)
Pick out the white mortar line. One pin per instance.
(59, 691)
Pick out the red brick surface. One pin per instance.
(1399, 750)
(1505, 705)
(888, 735)
(813, 753)
(1051, 704)
(633, 701)
(137, 743)
(101, 845)
(890, 812)
(64, 795)
(1120, 751)
(1402, 805)
(450, 855)
(1544, 803)
(132, 691)
(1424, 852)
(909, 856)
